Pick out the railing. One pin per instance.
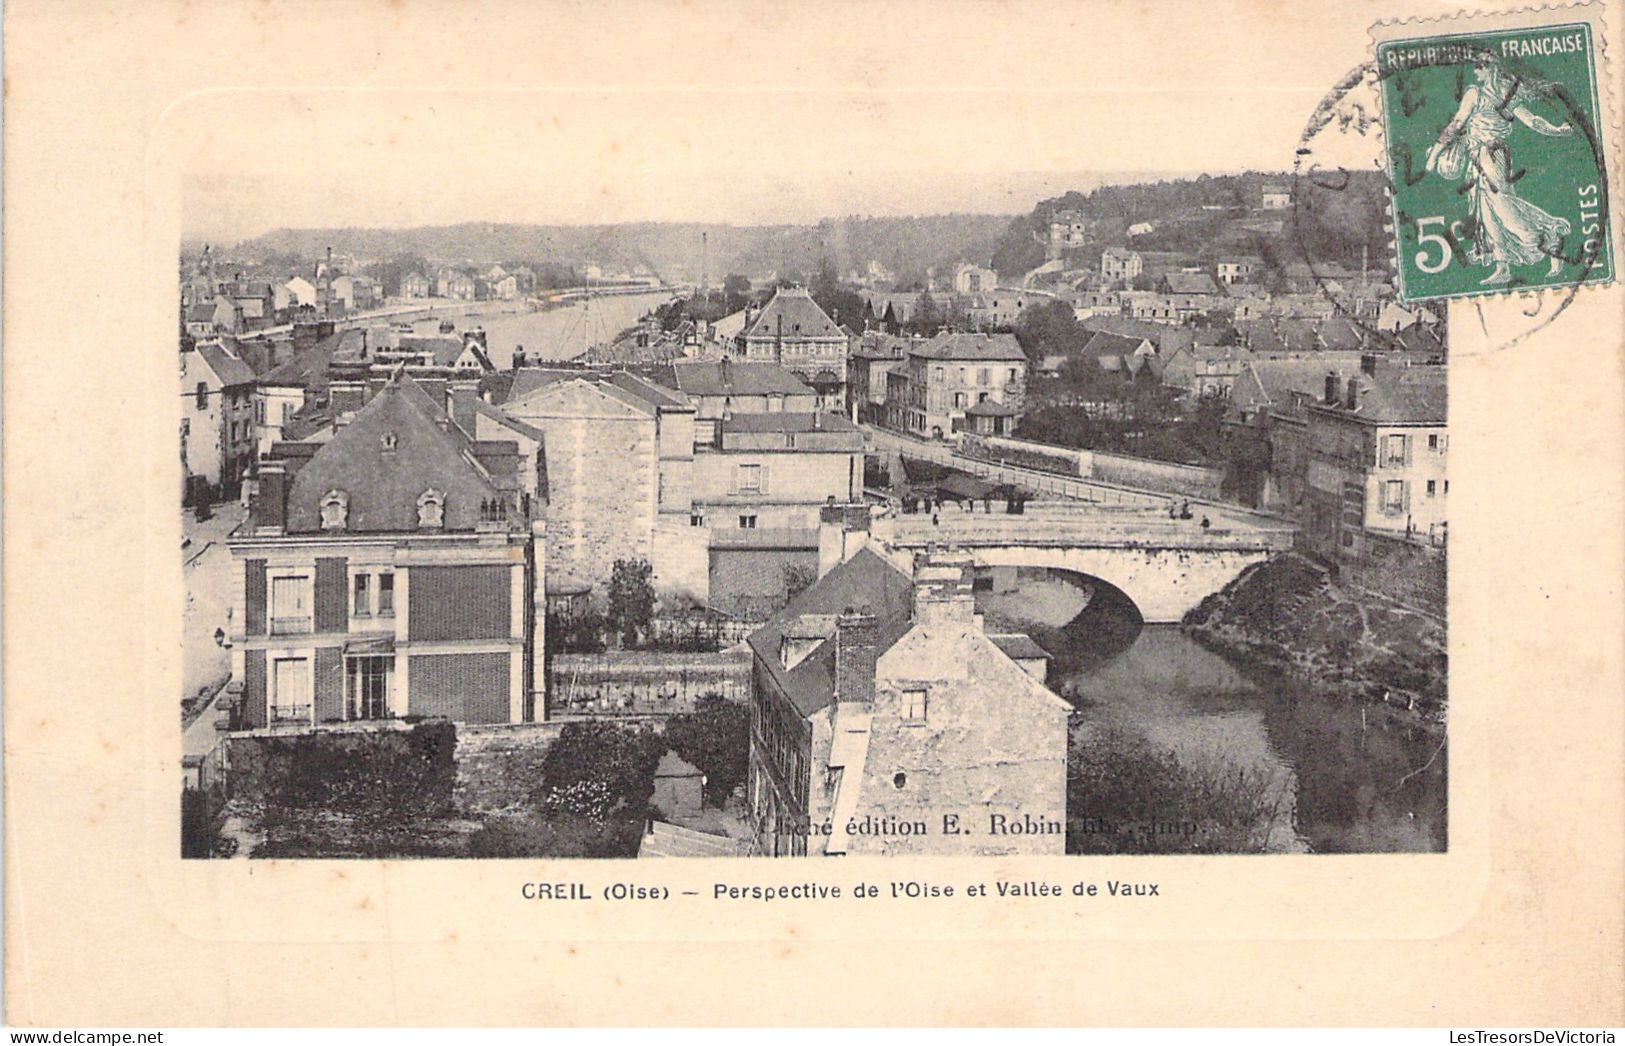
(283, 714)
(284, 626)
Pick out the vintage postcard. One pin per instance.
(635, 495)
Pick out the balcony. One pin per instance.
(289, 715)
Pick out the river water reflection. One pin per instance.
(554, 334)
(1348, 771)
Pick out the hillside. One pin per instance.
(907, 246)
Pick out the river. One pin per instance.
(554, 334)
(1347, 772)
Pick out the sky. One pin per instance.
(1131, 93)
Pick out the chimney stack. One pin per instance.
(1353, 402)
(855, 657)
(943, 595)
(271, 506)
(1368, 364)
(1334, 389)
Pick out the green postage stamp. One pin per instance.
(1497, 144)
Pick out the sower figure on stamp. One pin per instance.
(1510, 230)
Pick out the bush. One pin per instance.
(382, 775)
(557, 837)
(620, 759)
(1126, 795)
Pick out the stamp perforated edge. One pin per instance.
(1592, 12)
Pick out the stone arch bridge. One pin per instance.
(1166, 566)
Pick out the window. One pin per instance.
(750, 479)
(914, 704)
(959, 399)
(386, 594)
(696, 518)
(1012, 374)
(290, 604)
(982, 376)
(202, 396)
(290, 691)
(335, 507)
(1431, 486)
(747, 522)
(361, 603)
(899, 779)
(366, 690)
(1393, 496)
(431, 509)
(1393, 450)
(1433, 442)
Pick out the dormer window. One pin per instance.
(388, 442)
(431, 509)
(335, 506)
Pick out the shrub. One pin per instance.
(620, 759)
(1127, 795)
(390, 774)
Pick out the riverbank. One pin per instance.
(1288, 616)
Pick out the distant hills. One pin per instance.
(906, 246)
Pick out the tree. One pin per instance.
(1143, 282)
(1049, 329)
(631, 599)
(825, 280)
(594, 754)
(798, 577)
(715, 737)
(735, 291)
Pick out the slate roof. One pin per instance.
(735, 378)
(953, 345)
(1020, 646)
(383, 485)
(867, 582)
(309, 368)
(801, 316)
(1190, 283)
(1404, 402)
(992, 409)
(230, 369)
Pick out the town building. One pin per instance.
(1001, 309)
(394, 570)
(793, 332)
(721, 387)
(947, 375)
(415, 285)
(974, 279)
(1377, 450)
(876, 701)
(760, 496)
(1120, 265)
(620, 453)
(875, 356)
(1238, 269)
(217, 419)
(1275, 197)
(1067, 232)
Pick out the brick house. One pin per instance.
(877, 701)
(395, 569)
(949, 374)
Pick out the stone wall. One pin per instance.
(619, 684)
(1407, 572)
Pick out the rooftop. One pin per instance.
(736, 378)
(793, 313)
(953, 345)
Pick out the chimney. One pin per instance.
(1368, 364)
(1334, 389)
(271, 506)
(943, 597)
(347, 395)
(1353, 401)
(854, 657)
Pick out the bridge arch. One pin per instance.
(1163, 584)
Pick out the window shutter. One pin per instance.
(764, 479)
(1405, 496)
(254, 597)
(733, 480)
(254, 688)
(332, 611)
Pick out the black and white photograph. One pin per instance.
(1094, 513)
